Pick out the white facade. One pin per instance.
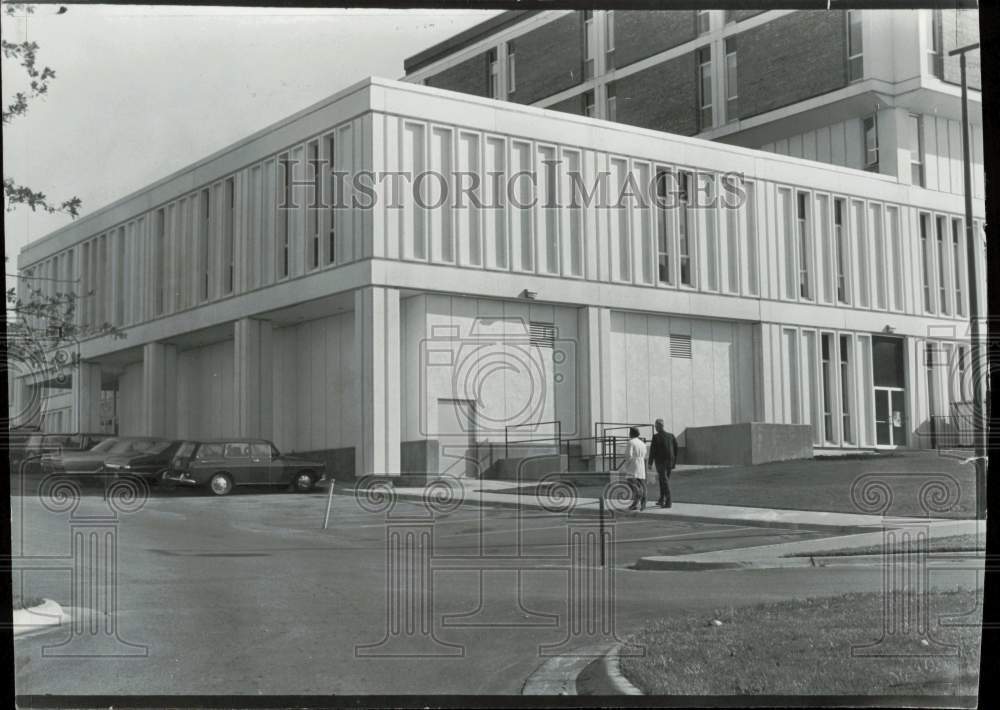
(330, 353)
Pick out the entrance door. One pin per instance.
(890, 417)
(456, 437)
(889, 380)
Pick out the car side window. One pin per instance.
(184, 451)
(209, 451)
(260, 452)
(274, 451)
(237, 451)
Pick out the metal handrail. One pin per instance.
(506, 435)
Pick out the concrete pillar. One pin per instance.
(594, 382)
(377, 354)
(159, 389)
(87, 397)
(253, 367)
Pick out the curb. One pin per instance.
(37, 618)
(557, 675)
(797, 562)
(612, 664)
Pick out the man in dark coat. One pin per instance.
(663, 455)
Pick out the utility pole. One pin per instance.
(971, 245)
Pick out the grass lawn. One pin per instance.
(950, 543)
(825, 483)
(803, 648)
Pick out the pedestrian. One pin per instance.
(634, 469)
(663, 455)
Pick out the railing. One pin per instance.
(557, 437)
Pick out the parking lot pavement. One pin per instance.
(248, 594)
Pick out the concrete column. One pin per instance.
(87, 397)
(893, 144)
(159, 389)
(377, 355)
(253, 367)
(594, 381)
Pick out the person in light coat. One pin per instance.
(634, 469)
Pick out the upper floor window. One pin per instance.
(685, 225)
(956, 258)
(732, 83)
(609, 39)
(916, 150)
(802, 222)
(161, 263)
(925, 259)
(511, 68)
(589, 45)
(702, 20)
(589, 109)
(313, 209)
(870, 125)
(840, 246)
(855, 60)
(935, 60)
(284, 215)
(704, 88)
(331, 235)
(230, 234)
(942, 256)
(663, 216)
(493, 80)
(203, 246)
(612, 113)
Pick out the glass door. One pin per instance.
(890, 417)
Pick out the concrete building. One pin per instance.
(782, 284)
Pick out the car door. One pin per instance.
(237, 456)
(260, 456)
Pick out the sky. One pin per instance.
(142, 91)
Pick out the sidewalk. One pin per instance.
(487, 493)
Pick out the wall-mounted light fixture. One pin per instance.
(529, 294)
(888, 329)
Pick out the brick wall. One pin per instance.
(643, 33)
(662, 97)
(966, 24)
(549, 59)
(574, 105)
(740, 15)
(791, 59)
(470, 77)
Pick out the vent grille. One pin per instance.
(543, 335)
(680, 346)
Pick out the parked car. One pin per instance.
(223, 464)
(40, 446)
(91, 462)
(148, 459)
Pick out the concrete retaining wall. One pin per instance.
(747, 443)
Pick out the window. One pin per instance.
(331, 235)
(732, 83)
(711, 233)
(827, 375)
(684, 227)
(704, 88)
(840, 246)
(702, 20)
(237, 451)
(511, 68)
(260, 452)
(916, 150)
(926, 257)
(881, 267)
(855, 59)
(935, 59)
(793, 403)
(550, 212)
(751, 241)
(589, 109)
(609, 39)
(942, 257)
(802, 223)
(846, 382)
(864, 264)
(964, 386)
(589, 45)
(229, 244)
(203, 244)
(284, 215)
(956, 258)
(313, 209)
(493, 76)
(575, 216)
(160, 261)
(612, 113)
(119, 316)
(871, 144)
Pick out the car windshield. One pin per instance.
(144, 446)
(106, 445)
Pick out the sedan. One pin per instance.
(91, 462)
(222, 465)
(147, 459)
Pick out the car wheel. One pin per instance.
(304, 481)
(221, 484)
